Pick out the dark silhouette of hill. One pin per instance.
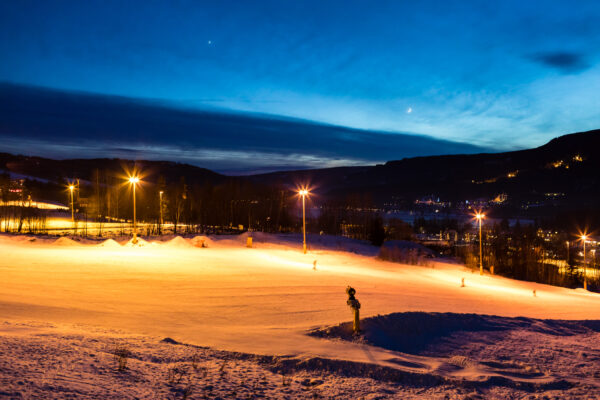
(59, 170)
(568, 165)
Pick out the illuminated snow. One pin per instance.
(259, 300)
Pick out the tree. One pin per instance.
(376, 231)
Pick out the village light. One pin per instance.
(133, 180)
(303, 193)
(480, 216)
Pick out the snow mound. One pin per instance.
(65, 241)
(178, 242)
(110, 243)
(201, 241)
(433, 333)
(444, 345)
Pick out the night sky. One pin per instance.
(248, 86)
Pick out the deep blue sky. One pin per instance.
(498, 74)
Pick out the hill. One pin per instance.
(566, 167)
(58, 170)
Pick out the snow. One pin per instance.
(110, 243)
(201, 241)
(65, 241)
(269, 302)
(178, 242)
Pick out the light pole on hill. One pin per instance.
(480, 216)
(133, 180)
(303, 193)
(71, 188)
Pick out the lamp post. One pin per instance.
(480, 218)
(133, 180)
(593, 251)
(303, 193)
(583, 239)
(160, 194)
(71, 188)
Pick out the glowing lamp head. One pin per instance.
(161, 192)
(584, 237)
(480, 216)
(134, 179)
(71, 187)
(303, 192)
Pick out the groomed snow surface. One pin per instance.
(206, 317)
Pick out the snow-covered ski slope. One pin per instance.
(264, 300)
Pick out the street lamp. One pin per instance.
(583, 239)
(133, 180)
(303, 193)
(480, 216)
(593, 251)
(160, 194)
(71, 188)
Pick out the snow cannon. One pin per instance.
(355, 306)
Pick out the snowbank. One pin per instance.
(178, 242)
(201, 241)
(421, 332)
(110, 243)
(65, 241)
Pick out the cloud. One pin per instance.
(564, 61)
(67, 125)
